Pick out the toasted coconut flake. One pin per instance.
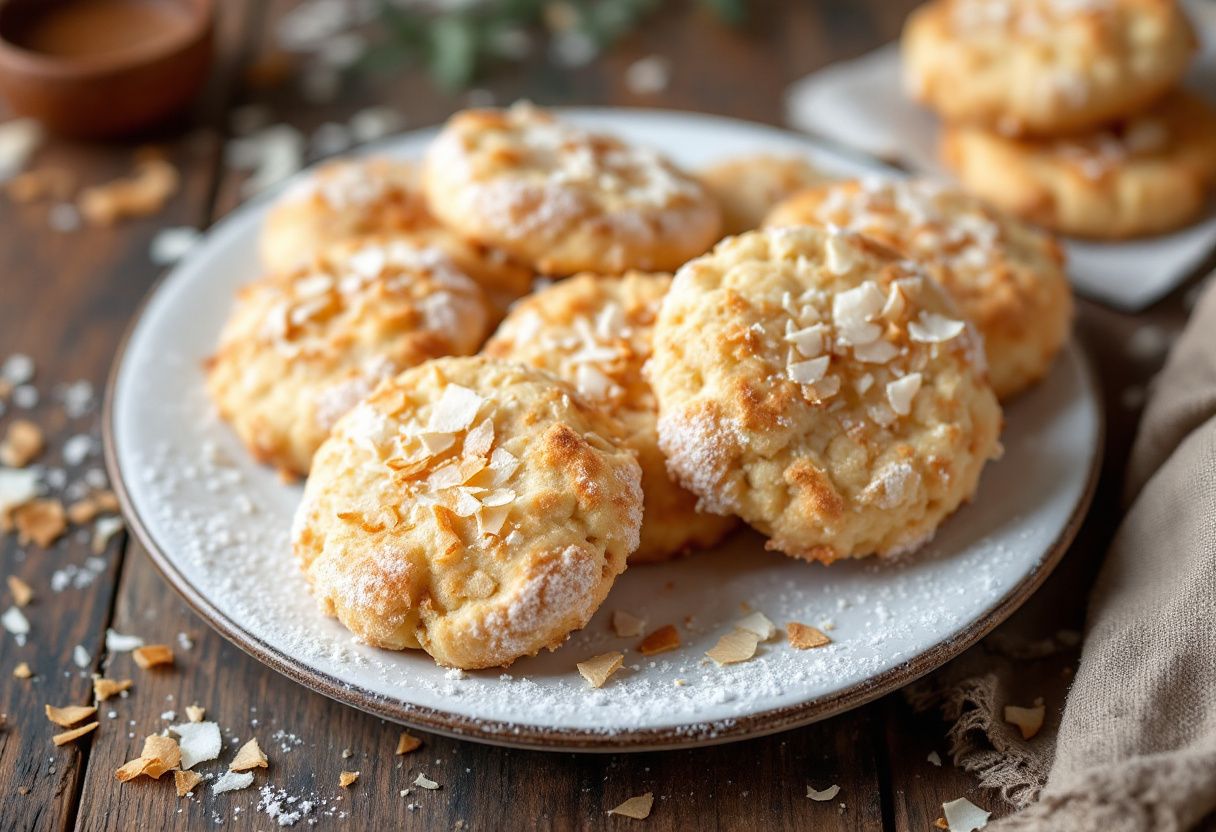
(823, 795)
(436, 443)
(160, 754)
(140, 195)
(964, 816)
(1028, 720)
(940, 823)
(195, 713)
(878, 352)
(805, 637)
(479, 440)
(902, 391)
(407, 742)
(68, 716)
(22, 671)
(17, 487)
(231, 781)
(21, 444)
(20, 590)
(40, 522)
(660, 641)
(491, 520)
(199, 742)
(932, 328)
(838, 254)
(597, 670)
(153, 655)
(185, 781)
(456, 409)
(626, 624)
(249, 756)
(74, 734)
(103, 688)
(759, 624)
(425, 782)
(637, 808)
(118, 643)
(735, 646)
(346, 778)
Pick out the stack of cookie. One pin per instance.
(823, 379)
(1068, 113)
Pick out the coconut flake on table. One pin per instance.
(822, 795)
(104, 530)
(15, 622)
(964, 816)
(372, 123)
(17, 487)
(648, 76)
(78, 448)
(17, 369)
(81, 657)
(271, 154)
(172, 244)
(199, 741)
(77, 398)
(231, 781)
(118, 643)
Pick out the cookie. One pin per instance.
(1147, 175)
(302, 347)
(1006, 277)
(478, 510)
(748, 187)
(1044, 67)
(595, 333)
(378, 197)
(563, 199)
(823, 389)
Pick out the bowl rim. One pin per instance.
(15, 58)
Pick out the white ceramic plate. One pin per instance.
(217, 526)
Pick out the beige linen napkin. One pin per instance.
(1136, 745)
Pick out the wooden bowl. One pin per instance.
(65, 72)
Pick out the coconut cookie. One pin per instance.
(595, 332)
(824, 389)
(1006, 277)
(477, 510)
(301, 348)
(1044, 67)
(364, 198)
(748, 187)
(1148, 175)
(563, 199)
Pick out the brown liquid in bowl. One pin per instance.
(84, 28)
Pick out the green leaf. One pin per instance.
(732, 12)
(453, 51)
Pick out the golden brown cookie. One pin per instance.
(564, 199)
(595, 332)
(352, 199)
(824, 389)
(748, 187)
(301, 348)
(1147, 175)
(1006, 277)
(1044, 67)
(478, 510)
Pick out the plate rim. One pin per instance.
(542, 738)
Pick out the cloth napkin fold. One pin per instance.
(1135, 748)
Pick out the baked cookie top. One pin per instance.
(1044, 67)
(377, 198)
(748, 187)
(595, 332)
(300, 348)
(341, 200)
(564, 199)
(1006, 276)
(1143, 175)
(823, 389)
(475, 509)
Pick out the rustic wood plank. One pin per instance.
(67, 297)
(486, 787)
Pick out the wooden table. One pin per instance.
(65, 299)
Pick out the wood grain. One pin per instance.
(74, 294)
